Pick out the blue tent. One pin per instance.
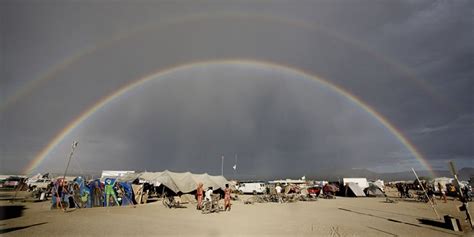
(127, 197)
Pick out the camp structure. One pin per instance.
(185, 182)
(443, 181)
(114, 173)
(361, 182)
(353, 190)
(287, 181)
(379, 183)
(373, 191)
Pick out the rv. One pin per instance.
(254, 188)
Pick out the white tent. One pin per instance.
(352, 189)
(114, 173)
(379, 183)
(179, 182)
(361, 182)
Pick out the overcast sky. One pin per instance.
(411, 61)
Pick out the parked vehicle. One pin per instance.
(13, 183)
(315, 190)
(39, 184)
(254, 188)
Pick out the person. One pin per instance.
(76, 195)
(466, 190)
(278, 189)
(407, 190)
(226, 197)
(65, 194)
(400, 189)
(443, 193)
(278, 192)
(199, 194)
(209, 194)
(452, 188)
(97, 194)
(57, 191)
(430, 193)
(109, 191)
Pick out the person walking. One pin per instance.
(442, 193)
(226, 197)
(431, 195)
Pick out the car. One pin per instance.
(39, 184)
(315, 190)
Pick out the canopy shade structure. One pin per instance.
(185, 182)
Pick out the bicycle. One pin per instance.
(171, 202)
(209, 206)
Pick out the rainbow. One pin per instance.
(244, 62)
(53, 73)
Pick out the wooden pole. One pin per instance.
(74, 145)
(426, 194)
(461, 195)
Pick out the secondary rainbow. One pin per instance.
(53, 73)
(264, 64)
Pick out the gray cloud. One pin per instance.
(270, 120)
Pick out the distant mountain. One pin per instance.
(338, 174)
(466, 173)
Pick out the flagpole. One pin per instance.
(74, 145)
(235, 167)
(222, 166)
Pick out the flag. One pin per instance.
(303, 178)
(234, 167)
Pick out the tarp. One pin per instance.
(185, 182)
(354, 190)
(127, 193)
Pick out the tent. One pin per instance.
(353, 190)
(361, 182)
(114, 173)
(379, 183)
(127, 193)
(185, 182)
(374, 191)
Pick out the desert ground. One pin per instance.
(336, 217)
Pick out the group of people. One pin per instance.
(80, 194)
(207, 195)
(404, 189)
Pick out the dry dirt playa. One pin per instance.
(337, 217)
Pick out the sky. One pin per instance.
(253, 81)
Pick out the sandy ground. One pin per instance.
(337, 217)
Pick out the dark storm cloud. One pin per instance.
(269, 119)
(272, 120)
